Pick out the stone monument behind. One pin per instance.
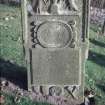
(56, 45)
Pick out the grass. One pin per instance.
(95, 66)
(11, 49)
(10, 41)
(9, 100)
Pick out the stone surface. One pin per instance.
(54, 7)
(54, 67)
(56, 47)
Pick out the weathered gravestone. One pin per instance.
(56, 45)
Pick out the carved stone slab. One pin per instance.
(54, 31)
(54, 45)
(53, 66)
(55, 36)
(56, 7)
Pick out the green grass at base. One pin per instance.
(9, 100)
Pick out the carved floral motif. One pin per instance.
(47, 7)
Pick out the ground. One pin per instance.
(95, 65)
(12, 57)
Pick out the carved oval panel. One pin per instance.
(54, 34)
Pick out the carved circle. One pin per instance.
(54, 34)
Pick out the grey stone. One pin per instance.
(56, 45)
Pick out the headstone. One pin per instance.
(56, 45)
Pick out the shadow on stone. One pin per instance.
(97, 43)
(82, 104)
(97, 58)
(13, 73)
